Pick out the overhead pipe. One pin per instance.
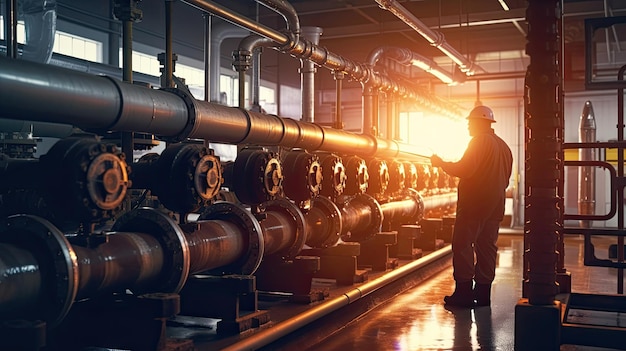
(303, 48)
(103, 104)
(243, 60)
(307, 74)
(220, 31)
(407, 57)
(285, 9)
(435, 39)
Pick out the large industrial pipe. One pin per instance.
(146, 252)
(409, 210)
(98, 103)
(361, 217)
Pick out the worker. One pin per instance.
(483, 172)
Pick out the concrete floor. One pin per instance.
(418, 320)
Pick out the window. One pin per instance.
(77, 46)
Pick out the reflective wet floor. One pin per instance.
(418, 320)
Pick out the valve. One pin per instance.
(257, 176)
(304, 179)
(410, 175)
(397, 177)
(185, 177)
(86, 180)
(357, 176)
(333, 175)
(379, 177)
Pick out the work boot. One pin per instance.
(482, 294)
(463, 295)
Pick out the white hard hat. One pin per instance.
(482, 112)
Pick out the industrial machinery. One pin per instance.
(87, 231)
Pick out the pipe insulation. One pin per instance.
(105, 104)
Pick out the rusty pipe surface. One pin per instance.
(126, 261)
(96, 103)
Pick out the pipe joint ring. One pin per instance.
(190, 103)
(294, 213)
(240, 216)
(170, 236)
(58, 257)
(376, 217)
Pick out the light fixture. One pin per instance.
(504, 5)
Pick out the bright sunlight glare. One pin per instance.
(446, 137)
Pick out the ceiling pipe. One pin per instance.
(290, 15)
(321, 56)
(407, 57)
(435, 39)
(220, 31)
(103, 104)
(242, 62)
(307, 74)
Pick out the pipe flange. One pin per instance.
(411, 175)
(189, 101)
(397, 176)
(286, 206)
(241, 217)
(57, 262)
(379, 177)
(170, 236)
(333, 175)
(189, 176)
(376, 220)
(334, 226)
(419, 200)
(305, 175)
(357, 176)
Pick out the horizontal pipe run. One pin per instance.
(57, 95)
(432, 202)
(286, 327)
(278, 231)
(20, 280)
(214, 244)
(403, 209)
(126, 261)
(239, 20)
(90, 102)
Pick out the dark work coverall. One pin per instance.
(483, 172)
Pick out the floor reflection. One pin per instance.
(418, 320)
